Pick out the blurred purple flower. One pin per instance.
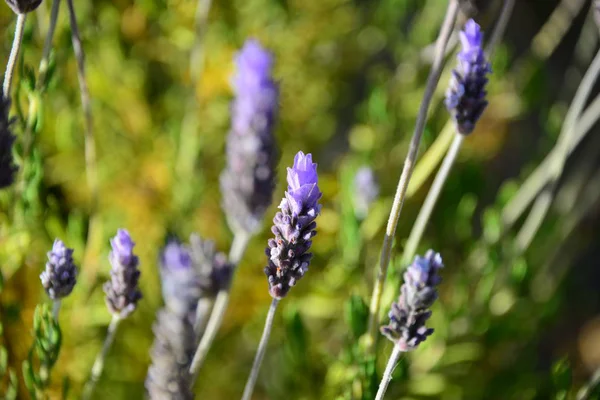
(248, 180)
(122, 291)
(294, 226)
(23, 6)
(7, 168)
(466, 95)
(408, 316)
(60, 275)
(212, 266)
(366, 190)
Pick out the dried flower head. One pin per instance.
(7, 168)
(61, 273)
(366, 190)
(248, 180)
(293, 227)
(23, 6)
(213, 267)
(465, 97)
(122, 291)
(408, 316)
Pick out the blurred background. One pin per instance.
(352, 75)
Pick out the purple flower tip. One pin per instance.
(122, 291)
(466, 95)
(60, 275)
(410, 313)
(303, 192)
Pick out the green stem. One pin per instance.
(260, 353)
(542, 204)
(98, 366)
(56, 309)
(14, 54)
(409, 163)
(432, 196)
(387, 375)
(240, 241)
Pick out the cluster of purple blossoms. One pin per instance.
(7, 169)
(248, 181)
(122, 291)
(60, 275)
(408, 316)
(213, 267)
(23, 6)
(465, 97)
(294, 227)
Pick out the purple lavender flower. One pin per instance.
(366, 191)
(294, 226)
(61, 273)
(122, 291)
(23, 6)
(408, 316)
(7, 169)
(174, 336)
(465, 97)
(248, 180)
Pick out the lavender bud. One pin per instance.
(366, 191)
(465, 96)
(248, 180)
(23, 6)
(181, 284)
(122, 291)
(408, 316)
(293, 227)
(7, 169)
(213, 267)
(61, 273)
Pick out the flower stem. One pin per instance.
(240, 241)
(98, 366)
(14, 54)
(407, 170)
(44, 62)
(260, 353)
(541, 206)
(387, 375)
(432, 196)
(56, 309)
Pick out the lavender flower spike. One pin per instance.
(23, 6)
(294, 226)
(60, 275)
(465, 97)
(174, 336)
(408, 316)
(248, 180)
(7, 169)
(366, 190)
(122, 291)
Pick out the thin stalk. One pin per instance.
(56, 309)
(44, 62)
(542, 204)
(387, 375)
(539, 177)
(409, 164)
(14, 54)
(436, 151)
(432, 196)
(240, 241)
(98, 366)
(260, 353)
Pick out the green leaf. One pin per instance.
(356, 314)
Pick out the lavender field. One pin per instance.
(300, 199)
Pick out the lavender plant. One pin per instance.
(247, 182)
(465, 101)
(293, 226)
(122, 294)
(174, 337)
(366, 190)
(408, 316)
(60, 275)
